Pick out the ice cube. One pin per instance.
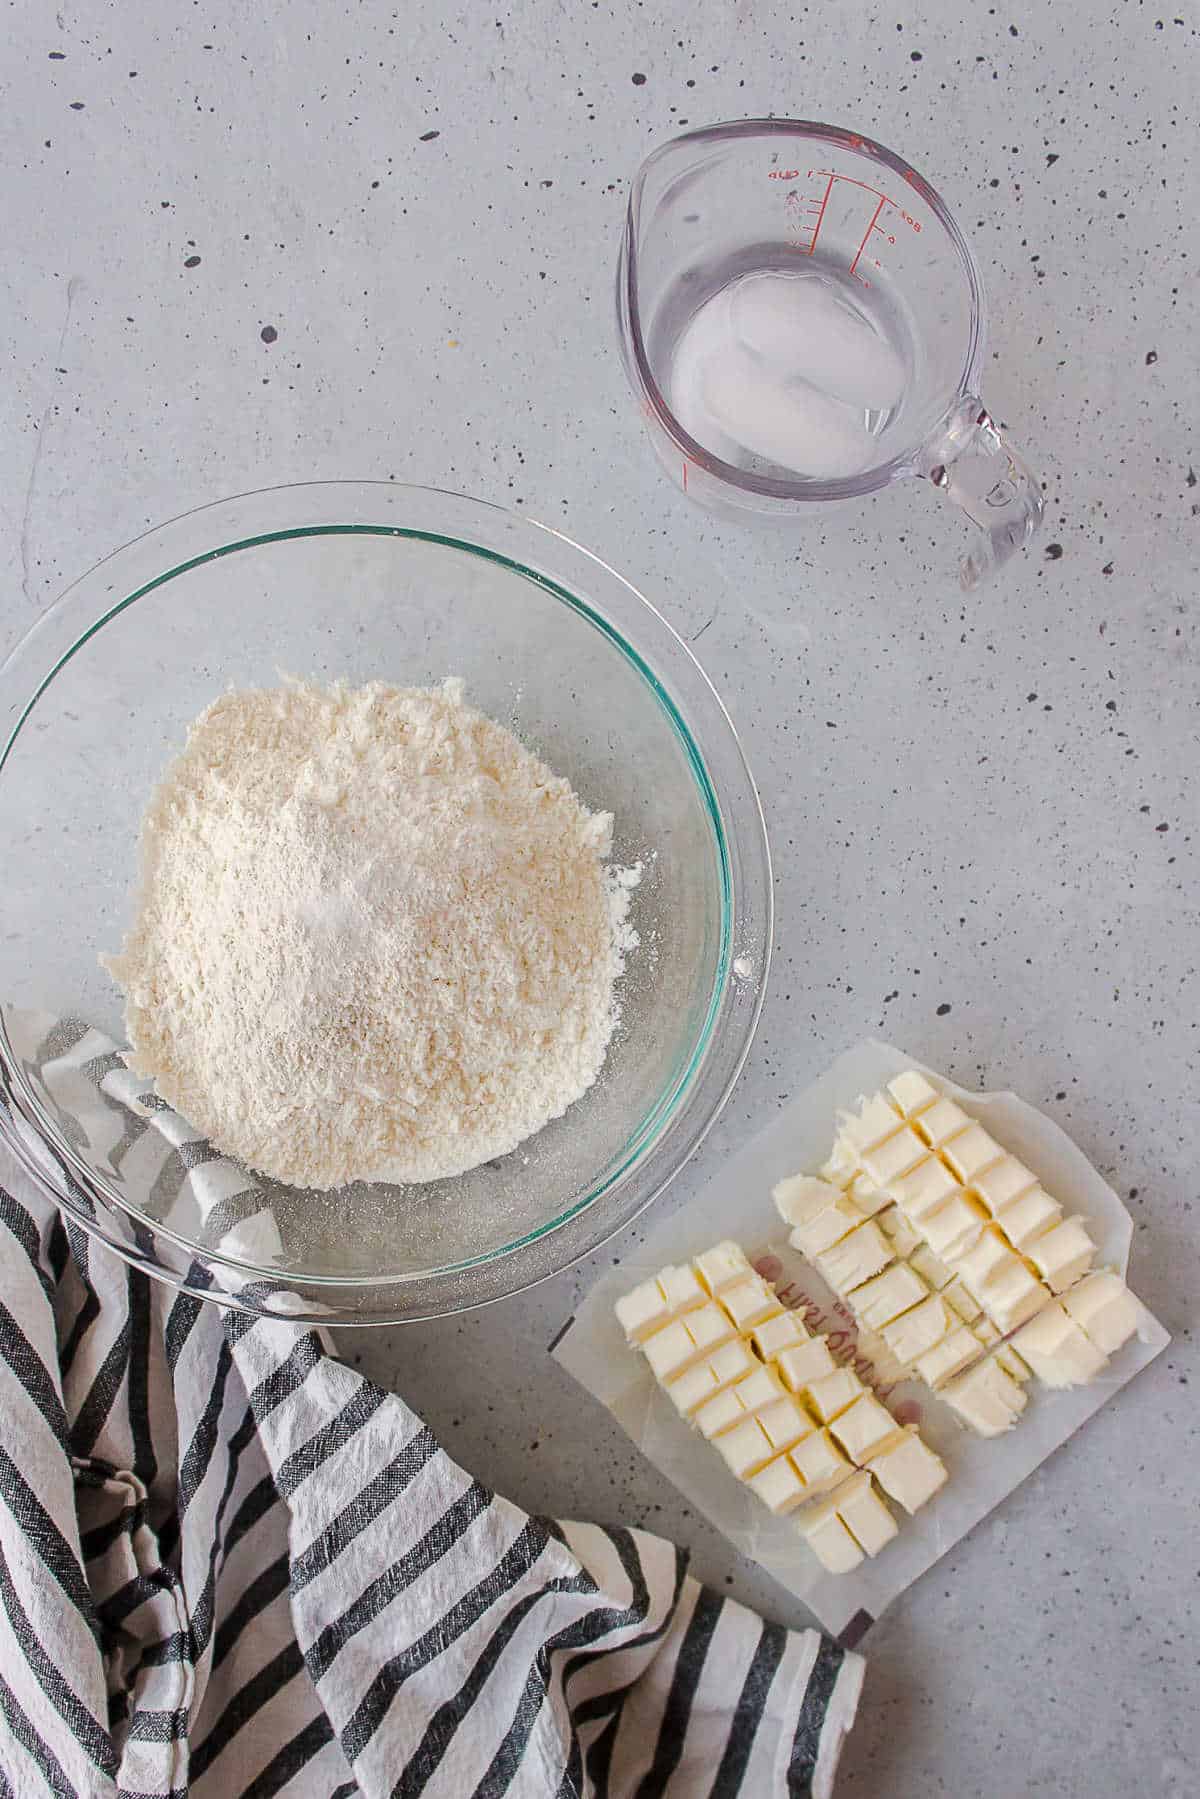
(707, 334)
(802, 329)
(797, 426)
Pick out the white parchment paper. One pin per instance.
(737, 1203)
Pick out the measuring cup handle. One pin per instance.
(976, 468)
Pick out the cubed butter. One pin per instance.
(909, 1472)
(949, 1357)
(912, 1092)
(880, 1300)
(1104, 1309)
(915, 1332)
(1057, 1350)
(732, 1361)
(865, 1514)
(778, 1486)
(861, 1254)
(870, 1126)
(689, 1392)
(749, 1301)
(951, 1228)
(932, 1270)
(827, 1228)
(745, 1447)
(989, 1253)
(722, 1266)
(1001, 1184)
(957, 1294)
(971, 1153)
(832, 1393)
(758, 1390)
(985, 1330)
(864, 1429)
(898, 1155)
(642, 1311)
(1013, 1295)
(903, 1236)
(671, 1350)
(803, 1197)
(819, 1462)
(719, 1413)
(681, 1289)
(806, 1363)
(777, 1334)
(1061, 1255)
(986, 1398)
(869, 1199)
(941, 1121)
(1028, 1217)
(841, 1165)
(928, 1186)
(708, 1327)
(828, 1538)
(786, 1422)
(1007, 1358)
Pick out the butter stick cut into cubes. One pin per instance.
(986, 1398)
(806, 1363)
(865, 1428)
(1062, 1254)
(872, 1125)
(914, 1332)
(827, 1228)
(909, 1472)
(1104, 1309)
(853, 1260)
(829, 1539)
(880, 1300)
(895, 1157)
(1058, 1350)
(912, 1092)
(722, 1266)
(802, 1197)
(1025, 1218)
(778, 1334)
(865, 1514)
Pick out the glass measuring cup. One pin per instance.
(897, 300)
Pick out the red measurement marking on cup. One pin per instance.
(866, 234)
(818, 201)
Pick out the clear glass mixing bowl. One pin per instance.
(376, 581)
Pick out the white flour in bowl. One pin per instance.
(376, 939)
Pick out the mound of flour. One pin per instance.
(376, 938)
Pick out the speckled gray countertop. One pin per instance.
(245, 248)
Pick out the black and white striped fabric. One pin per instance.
(229, 1565)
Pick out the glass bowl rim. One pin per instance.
(65, 620)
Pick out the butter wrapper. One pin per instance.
(736, 1202)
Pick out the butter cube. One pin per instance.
(912, 1092)
(952, 1228)
(909, 1472)
(719, 1413)
(778, 1486)
(819, 1463)
(971, 1153)
(802, 1197)
(870, 1126)
(869, 1199)
(827, 1228)
(915, 1332)
(957, 1294)
(806, 1363)
(1007, 1358)
(689, 1392)
(681, 1289)
(749, 1301)
(1061, 1255)
(985, 1330)
(642, 1311)
(932, 1270)
(897, 1156)
(786, 1422)
(846, 1265)
(731, 1362)
(1028, 1217)
(832, 1393)
(777, 1334)
(841, 1166)
(987, 1256)
(1104, 1309)
(949, 1357)
(903, 1237)
(828, 1538)
(922, 1191)
(880, 1300)
(941, 1121)
(1012, 1295)
(1057, 1350)
(865, 1514)
(745, 1448)
(865, 1429)
(1000, 1185)
(758, 1390)
(986, 1398)
(708, 1327)
(671, 1350)
(722, 1266)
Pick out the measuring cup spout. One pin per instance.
(973, 464)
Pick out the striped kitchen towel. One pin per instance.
(230, 1565)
